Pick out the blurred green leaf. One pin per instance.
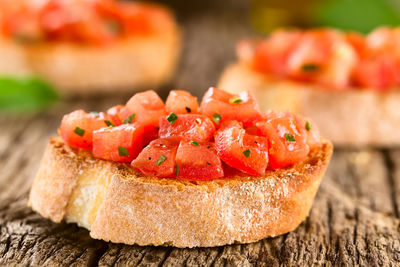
(25, 94)
(359, 15)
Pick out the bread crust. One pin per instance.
(118, 204)
(355, 117)
(140, 62)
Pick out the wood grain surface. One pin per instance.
(354, 219)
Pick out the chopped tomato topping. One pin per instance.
(220, 106)
(181, 102)
(286, 139)
(190, 126)
(240, 150)
(198, 161)
(122, 143)
(77, 127)
(158, 158)
(114, 114)
(144, 108)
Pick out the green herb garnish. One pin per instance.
(289, 137)
(122, 151)
(172, 118)
(79, 131)
(177, 170)
(194, 143)
(216, 118)
(109, 123)
(246, 153)
(309, 67)
(160, 160)
(235, 100)
(308, 126)
(129, 119)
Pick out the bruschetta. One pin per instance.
(181, 174)
(347, 82)
(89, 46)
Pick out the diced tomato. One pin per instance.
(286, 139)
(220, 106)
(313, 137)
(323, 56)
(240, 150)
(77, 128)
(114, 114)
(198, 161)
(150, 133)
(190, 126)
(380, 73)
(122, 143)
(146, 108)
(181, 102)
(271, 55)
(158, 158)
(357, 41)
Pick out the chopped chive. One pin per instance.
(172, 118)
(109, 123)
(177, 170)
(160, 160)
(308, 126)
(246, 153)
(129, 119)
(79, 131)
(309, 67)
(188, 110)
(122, 151)
(216, 118)
(289, 137)
(95, 114)
(235, 100)
(194, 143)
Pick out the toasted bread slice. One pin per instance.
(349, 117)
(126, 65)
(118, 204)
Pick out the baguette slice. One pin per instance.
(118, 204)
(353, 117)
(126, 65)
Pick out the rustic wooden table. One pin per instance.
(354, 220)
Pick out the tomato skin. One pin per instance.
(181, 102)
(147, 106)
(113, 114)
(232, 142)
(190, 126)
(218, 101)
(107, 140)
(85, 121)
(282, 152)
(147, 158)
(198, 162)
(271, 55)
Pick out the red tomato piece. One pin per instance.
(198, 161)
(114, 114)
(271, 55)
(240, 150)
(122, 143)
(181, 102)
(150, 133)
(286, 139)
(158, 158)
(77, 127)
(147, 107)
(220, 106)
(190, 126)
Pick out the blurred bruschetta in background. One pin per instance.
(347, 82)
(84, 46)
